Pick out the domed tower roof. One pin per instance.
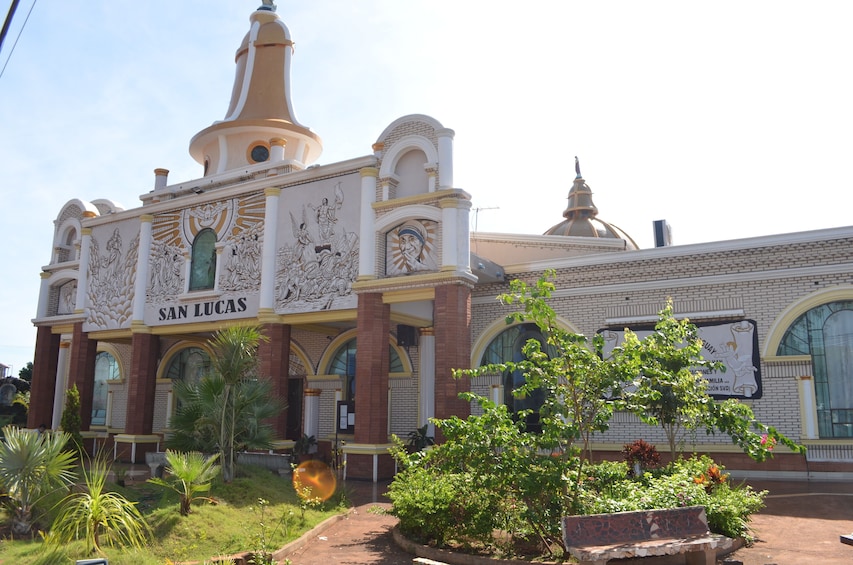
(581, 216)
(260, 116)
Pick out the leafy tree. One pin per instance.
(576, 380)
(71, 421)
(32, 466)
(26, 372)
(667, 389)
(502, 460)
(191, 474)
(96, 514)
(491, 475)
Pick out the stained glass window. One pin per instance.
(203, 269)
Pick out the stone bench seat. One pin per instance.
(595, 539)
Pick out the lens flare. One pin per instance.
(314, 480)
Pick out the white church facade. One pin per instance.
(371, 288)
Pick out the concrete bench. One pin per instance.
(597, 538)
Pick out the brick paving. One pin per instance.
(800, 525)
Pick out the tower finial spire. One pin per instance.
(260, 115)
(577, 167)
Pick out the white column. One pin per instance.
(187, 269)
(170, 407)
(109, 419)
(82, 269)
(426, 373)
(449, 234)
(311, 417)
(61, 383)
(445, 158)
(463, 236)
(432, 174)
(808, 407)
(268, 261)
(497, 394)
(220, 247)
(140, 287)
(299, 155)
(367, 233)
(277, 150)
(44, 295)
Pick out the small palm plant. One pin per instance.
(191, 474)
(32, 466)
(96, 514)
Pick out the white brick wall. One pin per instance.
(761, 282)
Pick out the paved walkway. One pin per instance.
(800, 525)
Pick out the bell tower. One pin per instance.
(260, 124)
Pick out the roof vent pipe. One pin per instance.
(161, 176)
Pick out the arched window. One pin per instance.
(507, 346)
(106, 369)
(826, 333)
(203, 266)
(188, 365)
(343, 365)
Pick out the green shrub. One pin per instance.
(491, 475)
(687, 482)
(425, 504)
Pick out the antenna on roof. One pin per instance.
(477, 213)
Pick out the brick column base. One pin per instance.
(453, 349)
(274, 364)
(361, 467)
(81, 371)
(142, 385)
(45, 365)
(371, 370)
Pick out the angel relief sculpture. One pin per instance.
(318, 269)
(327, 215)
(111, 277)
(167, 271)
(243, 260)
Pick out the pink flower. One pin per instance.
(768, 442)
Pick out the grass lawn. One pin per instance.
(237, 522)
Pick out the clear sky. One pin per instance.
(729, 119)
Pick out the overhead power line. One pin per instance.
(5, 30)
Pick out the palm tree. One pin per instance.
(191, 473)
(196, 423)
(235, 361)
(31, 466)
(96, 513)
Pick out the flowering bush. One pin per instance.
(687, 482)
(711, 478)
